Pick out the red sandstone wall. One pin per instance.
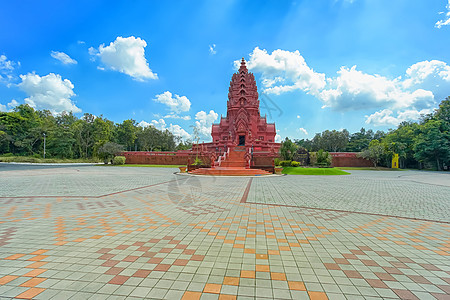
(349, 159)
(161, 158)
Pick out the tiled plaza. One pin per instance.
(96, 232)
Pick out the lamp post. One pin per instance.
(44, 144)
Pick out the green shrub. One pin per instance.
(119, 160)
(277, 161)
(8, 155)
(36, 155)
(197, 162)
(295, 164)
(323, 158)
(285, 163)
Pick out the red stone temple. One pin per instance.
(243, 143)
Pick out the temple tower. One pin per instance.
(243, 125)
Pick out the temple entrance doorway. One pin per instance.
(242, 140)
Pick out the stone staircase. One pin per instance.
(232, 164)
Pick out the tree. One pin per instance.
(108, 150)
(288, 149)
(184, 145)
(84, 135)
(401, 141)
(126, 133)
(432, 145)
(443, 112)
(149, 138)
(360, 140)
(374, 152)
(333, 141)
(307, 144)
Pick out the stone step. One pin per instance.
(228, 163)
(232, 171)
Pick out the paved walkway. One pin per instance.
(80, 232)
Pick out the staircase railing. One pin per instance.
(249, 157)
(223, 157)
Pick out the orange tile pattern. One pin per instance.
(197, 237)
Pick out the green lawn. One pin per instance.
(369, 168)
(313, 171)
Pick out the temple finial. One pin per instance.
(243, 66)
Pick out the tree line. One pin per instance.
(419, 144)
(423, 144)
(22, 132)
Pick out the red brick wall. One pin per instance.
(349, 159)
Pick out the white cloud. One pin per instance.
(5, 64)
(404, 97)
(13, 104)
(356, 90)
(445, 21)
(143, 124)
(301, 129)
(175, 102)
(63, 57)
(49, 92)
(205, 121)
(212, 49)
(160, 124)
(278, 138)
(431, 75)
(178, 131)
(174, 116)
(6, 70)
(126, 55)
(289, 69)
(386, 117)
(9, 106)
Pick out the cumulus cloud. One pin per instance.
(160, 124)
(405, 97)
(283, 71)
(126, 55)
(355, 90)
(13, 104)
(63, 57)
(386, 117)
(431, 75)
(446, 20)
(205, 121)
(9, 106)
(143, 124)
(212, 49)
(49, 92)
(175, 102)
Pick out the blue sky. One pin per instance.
(319, 64)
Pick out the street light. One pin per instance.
(44, 144)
